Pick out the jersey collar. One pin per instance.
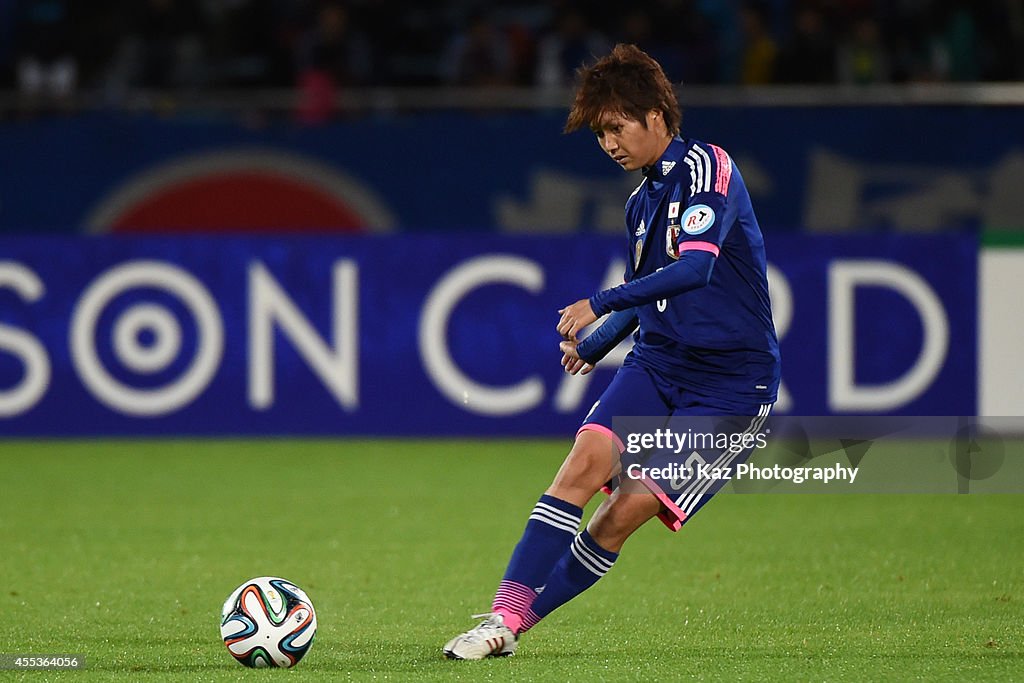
(667, 162)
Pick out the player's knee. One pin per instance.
(592, 461)
(621, 515)
(593, 457)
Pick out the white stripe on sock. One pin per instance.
(586, 562)
(542, 517)
(599, 561)
(558, 514)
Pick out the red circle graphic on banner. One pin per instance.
(246, 191)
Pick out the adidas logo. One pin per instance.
(667, 166)
(640, 230)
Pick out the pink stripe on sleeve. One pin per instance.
(698, 246)
(724, 172)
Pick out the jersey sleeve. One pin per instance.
(618, 326)
(702, 224)
(691, 271)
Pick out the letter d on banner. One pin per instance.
(844, 394)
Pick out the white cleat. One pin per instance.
(489, 638)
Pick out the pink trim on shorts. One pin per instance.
(672, 517)
(601, 429)
(699, 246)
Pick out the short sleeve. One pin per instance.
(701, 222)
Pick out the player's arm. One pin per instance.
(691, 271)
(598, 343)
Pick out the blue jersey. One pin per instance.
(717, 339)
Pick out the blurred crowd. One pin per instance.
(63, 46)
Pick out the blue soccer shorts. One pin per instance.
(702, 439)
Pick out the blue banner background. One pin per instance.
(498, 334)
(821, 169)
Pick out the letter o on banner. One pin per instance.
(149, 402)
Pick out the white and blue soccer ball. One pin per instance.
(268, 622)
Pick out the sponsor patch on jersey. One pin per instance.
(697, 219)
(639, 253)
(673, 209)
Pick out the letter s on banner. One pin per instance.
(845, 394)
(456, 386)
(27, 285)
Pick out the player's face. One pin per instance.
(628, 142)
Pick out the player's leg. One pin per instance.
(594, 550)
(553, 523)
(626, 510)
(591, 463)
(550, 528)
(593, 460)
(634, 502)
(555, 519)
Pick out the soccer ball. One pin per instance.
(268, 621)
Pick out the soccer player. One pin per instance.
(696, 287)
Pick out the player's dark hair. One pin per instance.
(627, 81)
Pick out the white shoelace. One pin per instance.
(485, 615)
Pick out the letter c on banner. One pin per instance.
(456, 386)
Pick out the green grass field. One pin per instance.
(124, 551)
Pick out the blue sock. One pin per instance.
(548, 533)
(580, 567)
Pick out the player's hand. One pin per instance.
(571, 360)
(574, 318)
